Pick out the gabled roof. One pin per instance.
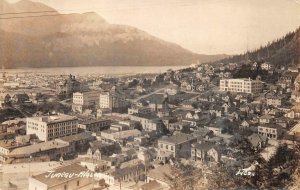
(266, 116)
(255, 139)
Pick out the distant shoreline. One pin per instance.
(97, 70)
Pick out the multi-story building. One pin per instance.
(111, 100)
(266, 66)
(179, 145)
(52, 126)
(148, 122)
(271, 131)
(95, 125)
(68, 87)
(127, 172)
(84, 100)
(241, 85)
(139, 110)
(274, 101)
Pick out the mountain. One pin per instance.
(55, 40)
(281, 52)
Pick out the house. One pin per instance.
(179, 144)
(254, 66)
(130, 171)
(218, 111)
(179, 126)
(266, 119)
(266, 66)
(295, 131)
(226, 107)
(257, 141)
(172, 89)
(245, 124)
(271, 131)
(205, 152)
(275, 101)
(139, 110)
(193, 115)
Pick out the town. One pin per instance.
(202, 127)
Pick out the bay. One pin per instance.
(106, 70)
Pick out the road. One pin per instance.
(146, 95)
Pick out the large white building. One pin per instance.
(111, 100)
(52, 126)
(83, 100)
(241, 85)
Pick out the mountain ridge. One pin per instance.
(284, 51)
(60, 40)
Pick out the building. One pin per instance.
(179, 145)
(78, 142)
(148, 122)
(53, 149)
(172, 89)
(205, 152)
(112, 135)
(68, 87)
(85, 100)
(78, 178)
(275, 101)
(95, 125)
(266, 66)
(139, 110)
(7, 146)
(271, 131)
(130, 171)
(257, 141)
(241, 85)
(113, 101)
(52, 126)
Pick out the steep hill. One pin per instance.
(85, 39)
(281, 52)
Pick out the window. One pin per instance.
(65, 187)
(78, 183)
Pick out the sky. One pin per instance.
(202, 26)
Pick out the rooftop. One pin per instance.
(177, 139)
(9, 144)
(54, 118)
(31, 149)
(77, 137)
(70, 169)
